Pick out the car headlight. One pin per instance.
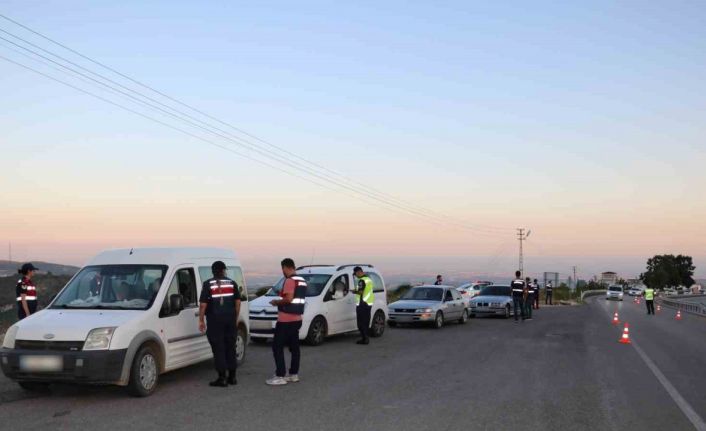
(9, 341)
(423, 310)
(99, 339)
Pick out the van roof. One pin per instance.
(164, 256)
(332, 269)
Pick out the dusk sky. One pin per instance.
(582, 121)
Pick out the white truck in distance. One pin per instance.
(125, 318)
(330, 307)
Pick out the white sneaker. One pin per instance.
(294, 378)
(276, 381)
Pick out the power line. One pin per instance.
(370, 192)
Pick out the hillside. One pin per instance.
(8, 268)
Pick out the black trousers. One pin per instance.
(32, 305)
(286, 334)
(221, 334)
(548, 298)
(362, 313)
(650, 306)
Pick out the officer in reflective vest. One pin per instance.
(289, 321)
(220, 304)
(548, 292)
(535, 288)
(650, 300)
(365, 297)
(529, 299)
(26, 292)
(519, 290)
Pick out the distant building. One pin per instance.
(608, 278)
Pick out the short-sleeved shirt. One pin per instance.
(26, 287)
(288, 289)
(220, 295)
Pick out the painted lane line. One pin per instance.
(682, 403)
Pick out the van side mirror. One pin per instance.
(176, 303)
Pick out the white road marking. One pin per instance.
(682, 403)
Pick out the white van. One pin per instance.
(330, 307)
(126, 317)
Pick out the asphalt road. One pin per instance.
(562, 370)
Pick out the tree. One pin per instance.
(667, 270)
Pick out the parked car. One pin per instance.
(614, 292)
(330, 307)
(493, 300)
(634, 291)
(429, 304)
(469, 290)
(125, 318)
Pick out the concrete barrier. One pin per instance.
(595, 292)
(678, 302)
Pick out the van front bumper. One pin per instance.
(95, 367)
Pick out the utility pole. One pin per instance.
(522, 236)
(576, 282)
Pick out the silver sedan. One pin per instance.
(429, 304)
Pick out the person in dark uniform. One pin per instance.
(220, 304)
(535, 287)
(519, 290)
(365, 298)
(529, 299)
(548, 293)
(439, 280)
(26, 292)
(95, 285)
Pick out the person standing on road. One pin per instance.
(289, 321)
(365, 297)
(220, 304)
(439, 280)
(529, 299)
(519, 290)
(26, 292)
(650, 300)
(535, 288)
(548, 291)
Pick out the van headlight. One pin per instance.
(9, 341)
(99, 339)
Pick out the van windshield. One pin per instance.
(315, 284)
(616, 289)
(117, 287)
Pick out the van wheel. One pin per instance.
(378, 326)
(464, 317)
(240, 345)
(144, 374)
(34, 386)
(439, 320)
(317, 331)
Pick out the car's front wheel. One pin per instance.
(144, 374)
(507, 311)
(317, 331)
(378, 326)
(464, 317)
(439, 320)
(241, 345)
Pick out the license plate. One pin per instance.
(41, 363)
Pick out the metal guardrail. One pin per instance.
(678, 303)
(594, 292)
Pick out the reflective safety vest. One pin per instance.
(26, 287)
(518, 287)
(649, 294)
(299, 300)
(534, 288)
(549, 287)
(223, 288)
(365, 291)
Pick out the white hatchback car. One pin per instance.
(614, 292)
(125, 318)
(329, 309)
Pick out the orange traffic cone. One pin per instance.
(659, 308)
(625, 339)
(616, 321)
(678, 315)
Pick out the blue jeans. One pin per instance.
(518, 305)
(528, 306)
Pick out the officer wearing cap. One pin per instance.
(26, 292)
(220, 304)
(364, 291)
